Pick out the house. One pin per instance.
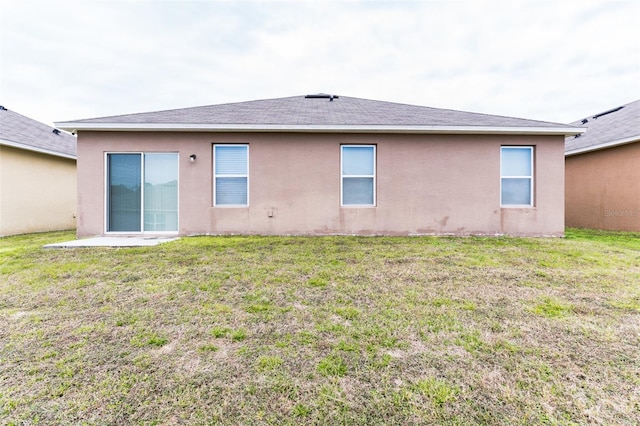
(603, 171)
(37, 176)
(318, 165)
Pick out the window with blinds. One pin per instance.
(231, 175)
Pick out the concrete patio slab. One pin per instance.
(113, 242)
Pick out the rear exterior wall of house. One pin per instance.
(424, 184)
(603, 189)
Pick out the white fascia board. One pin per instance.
(35, 149)
(603, 146)
(308, 128)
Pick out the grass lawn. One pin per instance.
(322, 330)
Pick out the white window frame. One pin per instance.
(343, 176)
(216, 176)
(530, 177)
(106, 194)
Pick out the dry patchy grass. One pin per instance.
(326, 330)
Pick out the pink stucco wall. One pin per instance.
(426, 184)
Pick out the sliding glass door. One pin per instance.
(142, 192)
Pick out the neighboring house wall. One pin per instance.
(37, 192)
(425, 184)
(603, 189)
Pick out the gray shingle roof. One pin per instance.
(616, 125)
(300, 111)
(23, 132)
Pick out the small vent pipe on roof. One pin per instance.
(322, 96)
(607, 112)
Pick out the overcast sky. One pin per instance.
(547, 60)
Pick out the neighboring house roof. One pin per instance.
(616, 126)
(320, 113)
(25, 133)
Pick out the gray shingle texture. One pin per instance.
(22, 130)
(615, 126)
(298, 110)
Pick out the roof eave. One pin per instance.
(36, 149)
(602, 146)
(74, 127)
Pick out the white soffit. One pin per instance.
(166, 127)
(35, 149)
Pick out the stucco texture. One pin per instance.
(425, 184)
(37, 192)
(603, 189)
